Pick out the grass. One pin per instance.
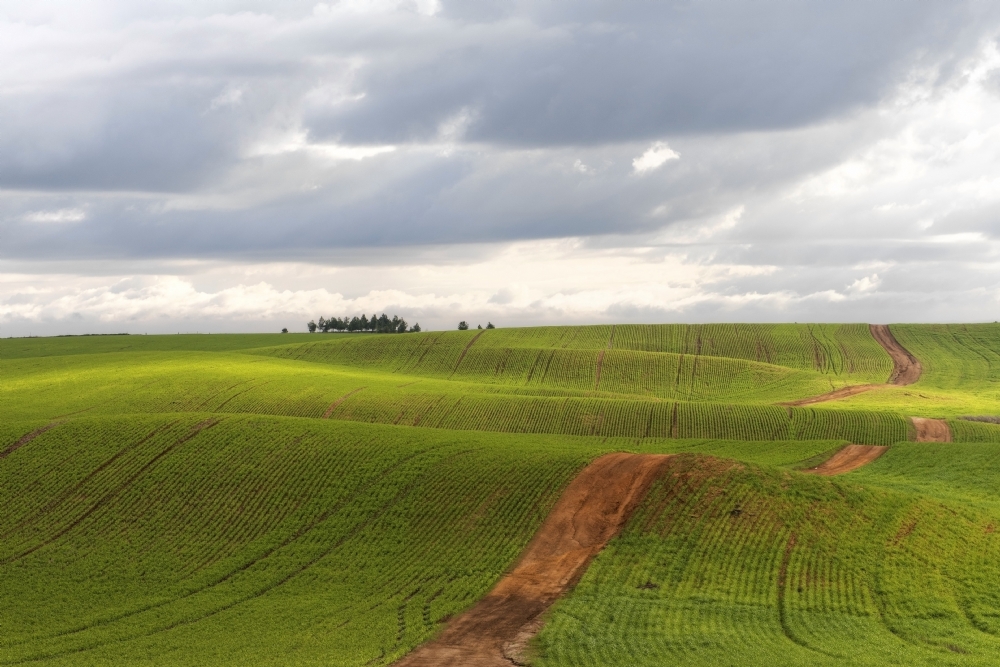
(298, 499)
(727, 564)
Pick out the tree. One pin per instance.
(415, 328)
(489, 325)
(400, 325)
(463, 326)
(284, 330)
(312, 326)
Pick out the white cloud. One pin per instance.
(62, 215)
(655, 157)
(230, 96)
(865, 284)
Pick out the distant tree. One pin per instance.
(364, 322)
(489, 325)
(415, 328)
(284, 330)
(463, 326)
(479, 326)
(312, 326)
(400, 325)
(355, 324)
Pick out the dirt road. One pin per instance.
(905, 370)
(848, 458)
(590, 512)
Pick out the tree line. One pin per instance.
(377, 324)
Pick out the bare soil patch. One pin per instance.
(590, 512)
(932, 430)
(848, 458)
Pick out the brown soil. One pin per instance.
(590, 512)
(932, 430)
(906, 369)
(25, 439)
(848, 458)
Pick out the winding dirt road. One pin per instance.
(905, 370)
(590, 512)
(847, 458)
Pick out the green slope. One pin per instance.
(730, 565)
(149, 382)
(185, 502)
(147, 540)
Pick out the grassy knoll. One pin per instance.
(733, 565)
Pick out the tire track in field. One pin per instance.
(591, 511)
(300, 533)
(466, 349)
(906, 369)
(782, 582)
(336, 403)
(59, 498)
(26, 438)
(108, 497)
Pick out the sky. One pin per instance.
(173, 166)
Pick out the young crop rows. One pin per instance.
(124, 534)
(724, 565)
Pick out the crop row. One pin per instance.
(368, 535)
(845, 351)
(622, 418)
(728, 565)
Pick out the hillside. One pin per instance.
(340, 499)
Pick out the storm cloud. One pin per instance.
(237, 164)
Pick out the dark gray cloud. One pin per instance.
(594, 72)
(701, 160)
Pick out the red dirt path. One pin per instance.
(590, 512)
(905, 370)
(848, 458)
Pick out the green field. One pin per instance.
(332, 499)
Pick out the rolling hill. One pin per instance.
(346, 499)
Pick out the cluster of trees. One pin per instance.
(464, 326)
(377, 324)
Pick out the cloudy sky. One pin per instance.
(235, 166)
